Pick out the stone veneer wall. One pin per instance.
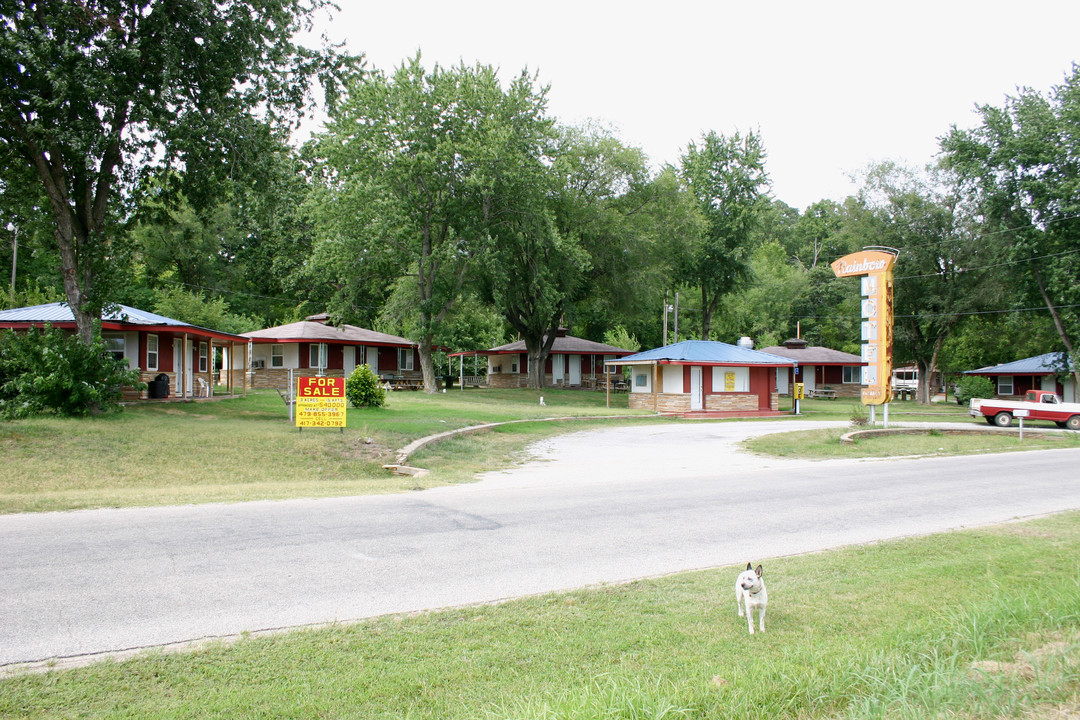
(503, 381)
(680, 403)
(730, 402)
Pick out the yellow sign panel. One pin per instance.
(320, 402)
(876, 269)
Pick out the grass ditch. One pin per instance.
(976, 624)
(825, 444)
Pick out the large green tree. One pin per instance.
(418, 169)
(96, 91)
(1021, 166)
(937, 277)
(727, 176)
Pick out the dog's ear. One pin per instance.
(757, 570)
(749, 566)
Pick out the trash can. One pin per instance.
(159, 386)
(449, 381)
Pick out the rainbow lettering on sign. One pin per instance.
(876, 269)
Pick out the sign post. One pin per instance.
(1020, 414)
(875, 267)
(320, 402)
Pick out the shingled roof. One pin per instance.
(312, 331)
(563, 345)
(797, 349)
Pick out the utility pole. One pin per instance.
(676, 317)
(667, 308)
(14, 257)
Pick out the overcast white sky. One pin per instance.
(830, 85)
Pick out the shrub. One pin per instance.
(53, 372)
(362, 388)
(974, 386)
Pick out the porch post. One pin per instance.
(607, 385)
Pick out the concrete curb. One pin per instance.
(401, 466)
(851, 437)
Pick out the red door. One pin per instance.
(760, 386)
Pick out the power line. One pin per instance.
(995, 265)
(952, 314)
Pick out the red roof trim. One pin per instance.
(701, 363)
(328, 341)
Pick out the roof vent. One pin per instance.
(795, 344)
(745, 342)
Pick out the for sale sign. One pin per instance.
(320, 402)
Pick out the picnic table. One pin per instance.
(822, 394)
(399, 382)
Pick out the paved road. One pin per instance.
(592, 507)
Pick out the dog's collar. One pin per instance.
(755, 592)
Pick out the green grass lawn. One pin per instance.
(975, 624)
(825, 444)
(244, 449)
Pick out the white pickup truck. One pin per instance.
(1039, 404)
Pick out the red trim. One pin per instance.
(113, 326)
(709, 364)
(284, 341)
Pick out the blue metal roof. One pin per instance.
(61, 313)
(1048, 364)
(707, 352)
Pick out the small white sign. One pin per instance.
(1020, 412)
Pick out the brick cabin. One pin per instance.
(818, 368)
(572, 362)
(1042, 372)
(314, 347)
(706, 377)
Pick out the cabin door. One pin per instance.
(782, 381)
(373, 359)
(349, 359)
(575, 370)
(697, 400)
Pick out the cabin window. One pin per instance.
(277, 356)
(1005, 385)
(114, 346)
(405, 358)
(317, 356)
(641, 380)
(151, 352)
(203, 357)
(852, 375)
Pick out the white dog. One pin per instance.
(750, 593)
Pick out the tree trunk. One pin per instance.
(427, 365)
(536, 357)
(1062, 333)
